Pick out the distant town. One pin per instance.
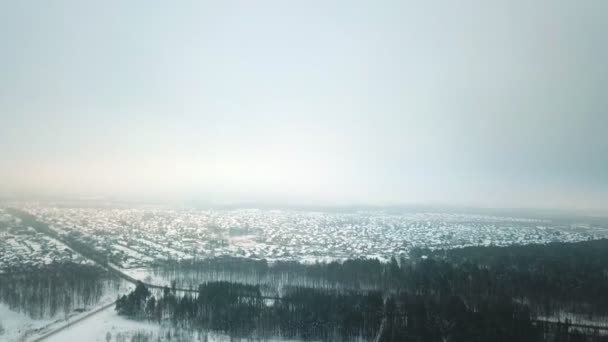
(141, 237)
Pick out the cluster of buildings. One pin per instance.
(22, 247)
(141, 236)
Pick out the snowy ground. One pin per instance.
(146, 275)
(20, 327)
(578, 319)
(97, 328)
(17, 324)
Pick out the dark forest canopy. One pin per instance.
(573, 274)
(469, 294)
(54, 289)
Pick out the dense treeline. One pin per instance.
(364, 274)
(470, 294)
(415, 317)
(314, 314)
(240, 310)
(53, 289)
(317, 314)
(570, 277)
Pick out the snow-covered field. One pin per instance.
(20, 327)
(96, 329)
(17, 324)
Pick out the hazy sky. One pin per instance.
(494, 103)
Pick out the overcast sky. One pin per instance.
(491, 103)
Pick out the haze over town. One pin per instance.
(295, 171)
(493, 104)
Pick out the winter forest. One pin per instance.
(534, 292)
